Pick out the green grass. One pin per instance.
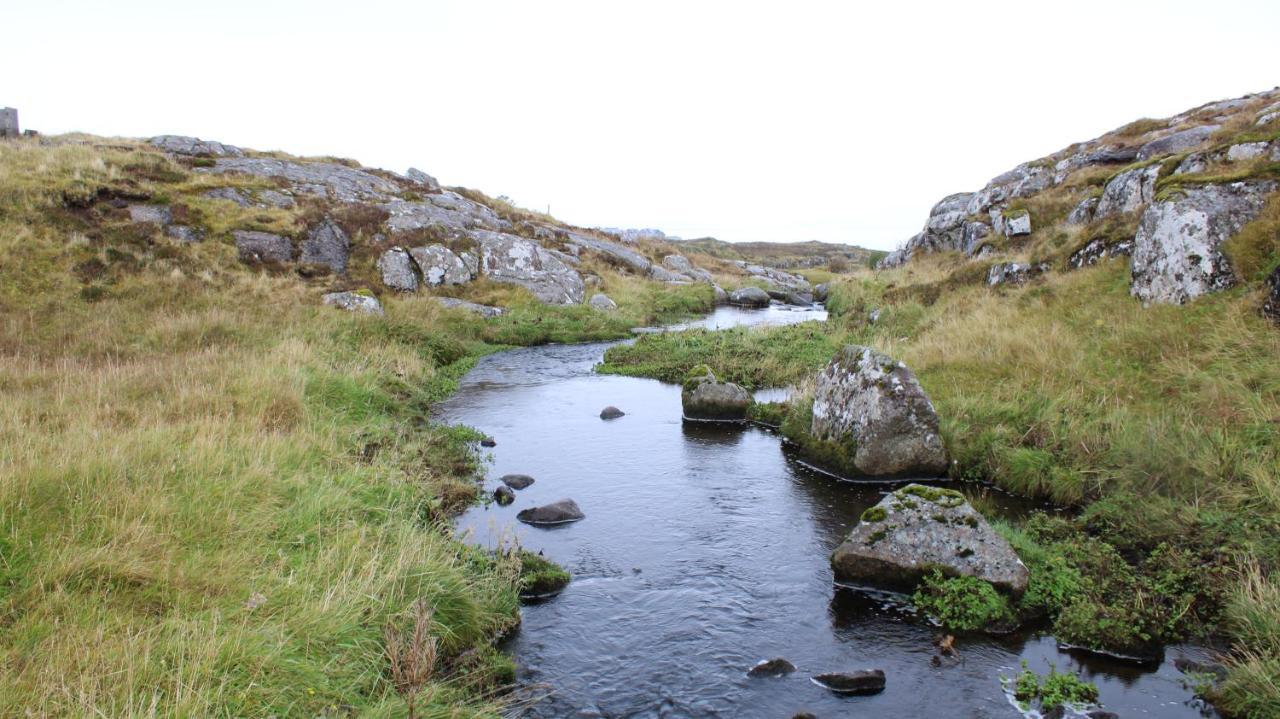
(962, 604)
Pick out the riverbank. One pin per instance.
(218, 496)
(1157, 424)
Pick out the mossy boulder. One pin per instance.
(918, 530)
(706, 399)
(541, 578)
(872, 418)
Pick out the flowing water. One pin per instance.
(705, 551)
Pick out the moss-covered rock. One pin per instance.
(540, 577)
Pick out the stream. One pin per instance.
(705, 550)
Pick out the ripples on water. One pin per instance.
(704, 551)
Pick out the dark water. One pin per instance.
(704, 551)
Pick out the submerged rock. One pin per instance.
(1177, 252)
(866, 681)
(706, 399)
(504, 496)
(563, 511)
(611, 412)
(874, 412)
(354, 302)
(775, 667)
(516, 481)
(749, 297)
(917, 529)
(488, 442)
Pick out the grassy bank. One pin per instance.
(1159, 424)
(218, 498)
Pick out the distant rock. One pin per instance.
(682, 265)
(602, 302)
(354, 302)
(563, 511)
(427, 182)
(517, 481)
(776, 667)
(184, 233)
(321, 179)
(230, 194)
(862, 682)
(917, 529)
(706, 399)
(662, 274)
(515, 260)
(873, 407)
(327, 245)
(262, 247)
(1177, 142)
(798, 299)
(611, 412)
(485, 311)
(151, 214)
(194, 146)
(1129, 191)
(445, 214)
(615, 253)
(397, 270)
(749, 297)
(1177, 252)
(1268, 115)
(440, 266)
(1014, 272)
(1271, 306)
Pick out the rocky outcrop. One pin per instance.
(484, 311)
(1129, 191)
(151, 214)
(184, 233)
(774, 278)
(749, 297)
(262, 247)
(354, 302)
(515, 260)
(563, 511)
(613, 252)
(917, 529)
(422, 179)
(681, 264)
(706, 399)
(446, 214)
(602, 302)
(1015, 273)
(1177, 252)
(1098, 250)
(319, 179)
(327, 245)
(720, 297)
(1176, 142)
(662, 274)
(1082, 214)
(397, 270)
(872, 409)
(440, 266)
(194, 146)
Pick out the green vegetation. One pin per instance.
(962, 604)
(1054, 690)
(219, 498)
(540, 576)
(874, 514)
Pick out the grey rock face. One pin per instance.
(230, 194)
(1082, 214)
(974, 233)
(440, 266)
(153, 214)
(1017, 225)
(682, 265)
(897, 258)
(1177, 142)
(1271, 306)
(602, 302)
(874, 406)
(1177, 251)
(1268, 115)
(447, 212)
(183, 145)
(560, 512)
(184, 233)
(260, 247)
(749, 297)
(861, 682)
(514, 260)
(1014, 273)
(327, 245)
(917, 528)
(354, 302)
(1096, 251)
(662, 274)
(615, 253)
(1194, 163)
(427, 182)
(1128, 192)
(1247, 151)
(397, 270)
(327, 179)
(272, 198)
(709, 400)
(484, 311)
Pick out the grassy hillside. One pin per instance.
(785, 254)
(218, 498)
(1159, 428)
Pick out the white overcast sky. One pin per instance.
(841, 122)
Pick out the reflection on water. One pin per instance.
(704, 551)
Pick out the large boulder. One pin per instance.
(261, 247)
(327, 245)
(396, 268)
(749, 297)
(563, 511)
(440, 266)
(1177, 252)
(875, 412)
(602, 302)
(422, 179)
(706, 399)
(515, 260)
(1128, 191)
(917, 529)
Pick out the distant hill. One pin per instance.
(782, 254)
